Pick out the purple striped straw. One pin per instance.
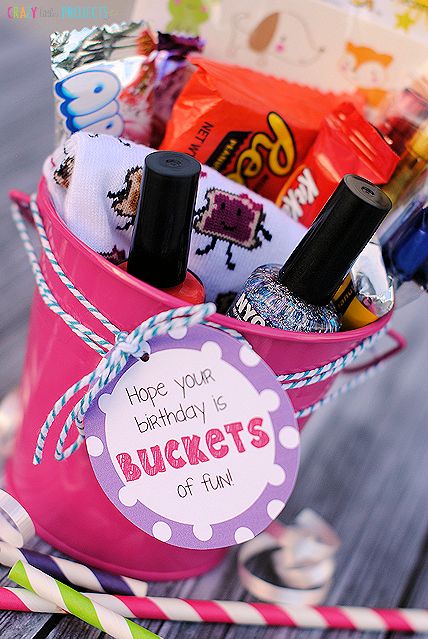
(72, 573)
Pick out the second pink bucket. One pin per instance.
(69, 508)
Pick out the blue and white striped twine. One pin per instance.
(115, 356)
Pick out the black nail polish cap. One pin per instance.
(163, 226)
(317, 266)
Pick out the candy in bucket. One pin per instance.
(113, 328)
(310, 351)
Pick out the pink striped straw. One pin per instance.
(237, 612)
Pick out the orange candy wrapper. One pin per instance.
(253, 128)
(346, 143)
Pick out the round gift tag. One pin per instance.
(198, 446)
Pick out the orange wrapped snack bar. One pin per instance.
(346, 143)
(251, 127)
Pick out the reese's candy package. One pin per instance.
(251, 127)
(346, 143)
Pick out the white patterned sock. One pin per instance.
(94, 181)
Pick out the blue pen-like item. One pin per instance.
(421, 276)
(407, 249)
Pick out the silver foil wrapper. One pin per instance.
(104, 80)
(372, 285)
(71, 50)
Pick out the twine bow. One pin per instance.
(136, 344)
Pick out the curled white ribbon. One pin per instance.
(303, 556)
(16, 525)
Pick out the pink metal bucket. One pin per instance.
(66, 503)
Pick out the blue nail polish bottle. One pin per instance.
(406, 250)
(297, 296)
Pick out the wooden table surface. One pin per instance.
(365, 459)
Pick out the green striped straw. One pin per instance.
(77, 604)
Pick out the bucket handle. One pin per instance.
(22, 201)
(25, 207)
(400, 344)
(361, 373)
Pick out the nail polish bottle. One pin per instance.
(161, 239)
(405, 111)
(413, 162)
(297, 296)
(403, 116)
(407, 249)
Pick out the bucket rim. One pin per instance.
(46, 207)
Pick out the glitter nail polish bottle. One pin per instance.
(413, 163)
(297, 296)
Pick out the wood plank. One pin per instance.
(27, 138)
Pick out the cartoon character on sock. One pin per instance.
(235, 219)
(116, 255)
(63, 173)
(125, 200)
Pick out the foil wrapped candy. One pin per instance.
(367, 293)
(119, 79)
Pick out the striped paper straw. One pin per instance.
(237, 612)
(77, 604)
(265, 614)
(72, 573)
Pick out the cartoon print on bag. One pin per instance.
(281, 35)
(187, 15)
(367, 70)
(235, 219)
(125, 200)
(366, 4)
(63, 173)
